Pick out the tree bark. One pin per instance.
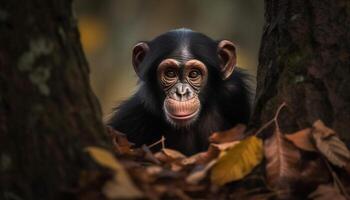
(48, 113)
(304, 61)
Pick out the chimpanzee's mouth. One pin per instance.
(182, 116)
(181, 113)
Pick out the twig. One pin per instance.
(264, 127)
(279, 110)
(276, 117)
(159, 141)
(273, 120)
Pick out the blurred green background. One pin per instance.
(110, 28)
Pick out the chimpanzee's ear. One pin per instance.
(138, 54)
(227, 55)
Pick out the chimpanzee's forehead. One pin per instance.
(182, 53)
(183, 45)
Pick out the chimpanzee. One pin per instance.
(189, 87)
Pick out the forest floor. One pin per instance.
(237, 165)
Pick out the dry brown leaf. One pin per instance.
(302, 139)
(320, 126)
(235, 133)
(170, 156)
(237, 162)
(120, 142)
(175, 166)
(113, 189)
(203, 157)
(154, 170)
(121, 187)
(282, 160)
(198, 175)
(148, 155)
(173, 154)
(226, 146)
(162, 157)
(213, 152)
(195, 159)
(104, 158)
(333, 149)
(329, 144)
(326, 192)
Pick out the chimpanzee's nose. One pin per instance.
(182, 92)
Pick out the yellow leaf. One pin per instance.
(238, 161)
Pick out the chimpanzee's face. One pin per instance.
(181, 76)
(181, 82)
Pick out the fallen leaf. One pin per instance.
(154, 170)
(333, 149)
(282, 161)
(173, 154)
(120, 143)
(121, 187)
(172, 157)
(235, 133)
(175, 166)
(115, 189)
(329, 144)
(320, 126)
(169, 156)
(197, 175)
(179, 194)
(104, 158)
(195, 159)
(148, 155)
(162, 157)
(326, 192)
(237, 162)
(203, 157)
(302, 139)
(225, 146)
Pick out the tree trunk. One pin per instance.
(48, 113)
(304, 61)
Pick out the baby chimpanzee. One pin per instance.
(189, 88)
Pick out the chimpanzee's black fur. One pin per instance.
(224, 103)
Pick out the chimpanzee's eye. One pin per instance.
(194, 74)
(170, 73)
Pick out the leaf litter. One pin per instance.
(233, 156)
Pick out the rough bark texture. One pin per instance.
(304, 61)
(48, 113)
